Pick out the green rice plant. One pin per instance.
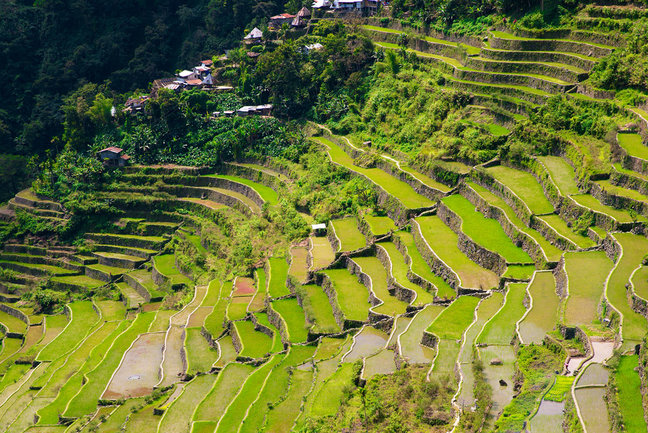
(177, 417)
(226, 351)
(112, 310)
(213, 293)
(83, 318)
(519, 272)
(225, 388)
(255, 344)
(321, 252)
(525, 186)
(560, 388)
(249, 392)
(317, 309)
(501, 328)
(380, 225)
(562, 174)
(373, 267)
(200, 355)
(331, 395)
(453, 321)
(619, 191)
(267, 194)
(620, 215)
(352, 296)
(629, 394)
(283, 416)
(399, 271)
(162, 320)
(421, 268)
(560, 226)
(346, 230)
(88, 396)
(634, 250)
(165, 264)
(586, 274)
(395, 187)
(278, 269)
(214, 322)
(293, 316)
(633, 145)
(409, 341)
(486, 232)
(543, 315)
(443, 242)
(277, 344)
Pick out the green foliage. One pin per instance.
(472, 421)
(48, 301)
(15, 174)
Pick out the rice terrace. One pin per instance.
(350, 216)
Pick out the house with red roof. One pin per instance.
(113, 157)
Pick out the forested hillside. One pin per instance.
(228, 216)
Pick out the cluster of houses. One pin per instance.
(248, 110)
(365, 7)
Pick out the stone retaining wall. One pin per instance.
(277, 321)
(326, 284)
(119, 262)
(436, 264)
(484, 179)
(411, 276)
(451, 37)
(551, 235)
(419, 44)
(99, 275)
(41, 260)
(504, 66)
(401, 293)
(535, 56)
(504, 103)
(236, 339)
(617, 201)
(210, 194)
(25, 249)
(582, 48)
(105, 238)
(430, 340)
(418, 186)
(124, 250)
(215, 182)
(158, 277)
(560, 275)
(45, 204)
(611, 39)
(18, 315)
(253, 175)
(374, 300)
(478, 254)
(629, 182)
(139, 288)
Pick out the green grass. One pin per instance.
(162, 320)
(501, 328)
(223, 392)
(267, 194)
(83, 319)
(277, 385)
(454, 320)
(629, 388)
(87, 398)
(622, 216)
(200, 355)
(634, 250)
(330, 396)
(543, 316)
(235, 413)
(165, 264)
(427, 180)
(145, 278)
(505, 35)
(352, 296)
(525, 186)
(237, 307)
(394, 187)
(551, 252)
(633, 144)
(213, 293)
(320, 308)
(640, 282)
(226, 350)
(399, 272)
(12, 323)
(443, 241)
(277, 344)
(380, 225)
(421, 268)
(278, 267)
(282, 417)
(562, 174)
(293, 316)
(79, 280)
(255, 344)
(111, 310)
(196, 242)
(346, 230)
(321, 252)
(177, 418)
(586, 272)
(497, 130)
(486, 232)
(560, 388)
(561, 227)
(373, 267)
(519, 272)
(51, 270)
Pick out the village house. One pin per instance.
(113, 157)
(366, 7)
(278, 20)
(135, 104)
(254, 37)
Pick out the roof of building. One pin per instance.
(202, 68)
(172, 86)
(320, 226)
(304, 12)
(254, 34)
(314, 47)
(185, 73)
(252, 54)
(194, 82)
(125, 157)
(207, 62)
(283, 16)
(112, 149)
(298, 22)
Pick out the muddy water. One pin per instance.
(173, 366)
(381, 363)
(502, 394)
(594, 374)
(591, 402)
(366, 343)
(181, 317)
(197, 318)
(549, 418)
(139, 370)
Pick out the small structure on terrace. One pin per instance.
(278, 20)
(112, 157)
(254, 37)
(319, 229)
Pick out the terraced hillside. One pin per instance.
(517, 290)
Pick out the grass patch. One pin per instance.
(282, 417)
(87, 398)
(525, 186)
(213, 293)
(393, 186)
(79, 280)
(255, 344)
(293, 316)
(346, 230)
(421, 268)
(223, 392)
(633, 145)
(443, 241)
(214, 322)
(298, 264)
(591, 202)
(278, 267)
(501, 328)
(83, 319)
(562, 174)
(560, 388)
(410, 340)
(454, 320)
(277, 344)
(586, 272)
(200, 355)
(321, 252)
(13, 324)
(427, 180)
(380, 225)
(629, 394)
(165, 264)
(560, 226)
(519, 272)
(331, 395)
(634, 250)
(317, 308)
(237, 307)
(112, 310)
(177, 418)
(352, 296)
(373, 267)
(487, 232)
(543, 316)
(612, 189)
